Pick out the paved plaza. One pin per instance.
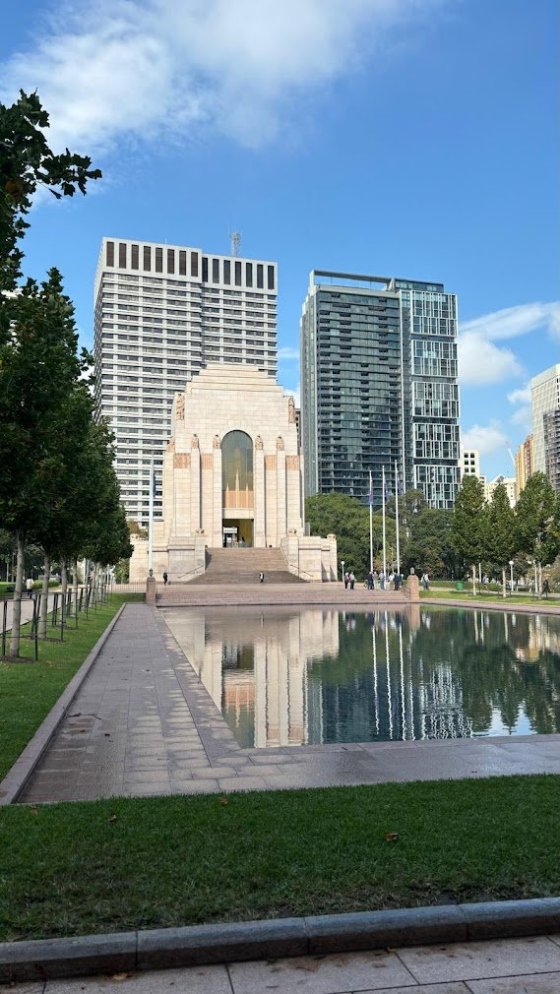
(143, 724)
(506, 966)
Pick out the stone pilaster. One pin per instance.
(281, 525)
(216, 533)
(195, 486)
(259, 524)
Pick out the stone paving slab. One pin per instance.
(513, 966)
(143, 724)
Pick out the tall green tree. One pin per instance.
(499, 544)
(39, 366)
(429, 546)
(26, 163)
(469, 521)
(537, 520)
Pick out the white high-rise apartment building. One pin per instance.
(545, 397)
(470, 462)
(161, 313)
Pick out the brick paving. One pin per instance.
(143, 724)
(505, 966)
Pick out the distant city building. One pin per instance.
(524, 463)
(161, 313)
(545, 397)
(509, 484)
(470, 465)
(551, 421)
(379, 386)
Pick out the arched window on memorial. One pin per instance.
(237, 470)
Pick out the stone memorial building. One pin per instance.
(232, 478)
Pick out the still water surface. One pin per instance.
(289, 677)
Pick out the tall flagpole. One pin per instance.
(151, 522)
(384, 529)
(370, 522)
(397, 517)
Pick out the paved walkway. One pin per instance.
(506, 966)
(143, 724)
(26, 610)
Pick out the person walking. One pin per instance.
(261, 577)
(29, 587)
(546, 588)
(164, 579)
(352, 581)
(346, 580)
(369, 580)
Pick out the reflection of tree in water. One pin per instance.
(449, 677)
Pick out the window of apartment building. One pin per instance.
(194, 264)
(122, 255)
(260, 276)
(159, 260)
(215, 270)
(147, 259)
(134, 257)
(110, 254)
(270, 276)
(170, 260)
(182, 263)
(249, 273)
(205, 269)
(238, 274)
(227, 272)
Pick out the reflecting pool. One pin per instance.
(283, 676)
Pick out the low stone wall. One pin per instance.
(311, 557)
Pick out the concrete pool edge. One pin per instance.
(198, 945)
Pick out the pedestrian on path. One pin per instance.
(261, 577)
(29, 587)
(352, 579)
(164, 579)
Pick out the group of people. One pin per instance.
(376, 580)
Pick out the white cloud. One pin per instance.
(511, 322)
(288, 353)
(114, 70)
(481, 361)
(520, 396)
(485, 438)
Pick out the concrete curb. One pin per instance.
(16, 778)
(200, 945)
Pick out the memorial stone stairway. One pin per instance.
(241, 566)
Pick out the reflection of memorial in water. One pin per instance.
(255, 668)
(287, 677)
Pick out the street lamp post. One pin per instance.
(511, 575)
(342, 570)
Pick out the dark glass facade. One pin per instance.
(379, 387)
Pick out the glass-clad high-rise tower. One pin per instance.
(379, 386)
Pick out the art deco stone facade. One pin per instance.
(232, 474)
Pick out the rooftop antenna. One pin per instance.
(235, 242)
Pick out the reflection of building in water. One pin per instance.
(255, 668)
(441, 706)
(285, 677)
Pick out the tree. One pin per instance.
(469, 521)
(26, 162)
(429, 545)
(348, 519)
(537, 520)
(499, 538)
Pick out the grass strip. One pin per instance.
(28, 691)
(489, 597)
(76, 868)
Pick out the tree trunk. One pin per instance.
(75, 585)
(42, 632)
(16, 616)
(474, 580)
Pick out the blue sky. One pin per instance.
(415, 138)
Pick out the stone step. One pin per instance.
(243, 565)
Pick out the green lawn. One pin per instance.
(489, 596)
(149, 862)
(29, 690)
